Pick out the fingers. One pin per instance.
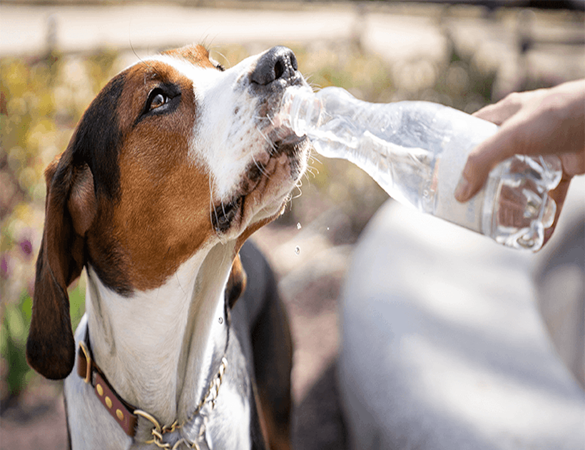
(558, 195)
(547, 121)
(483, 159)
(495, 149)
(525, 134)
(498, 113)
(573, 163)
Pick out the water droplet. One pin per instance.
(299, 226)
(298, 250)
(220, 320)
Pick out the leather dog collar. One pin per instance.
(119, 409)
(125, 414)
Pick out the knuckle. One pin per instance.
(514, 99)
(473, 160)
(554, 107)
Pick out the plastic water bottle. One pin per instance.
(416, 152)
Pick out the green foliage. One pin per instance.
(12, 341)
(365, 75)
(41, 100)
(15, 326)
(77, 303)
(100, 66)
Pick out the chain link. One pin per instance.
(159, 431)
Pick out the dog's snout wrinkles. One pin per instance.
(277, 63)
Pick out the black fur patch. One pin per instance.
(97, 142)
(98, 138)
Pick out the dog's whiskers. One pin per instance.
(224, 57)
(223, 209)
(272, 149)
(313, 171)
(260, 168)
(313, 157)
(297, 186)
(136, 54)
(212, 209)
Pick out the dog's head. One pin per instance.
(173, 154)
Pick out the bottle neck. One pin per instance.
(302, 110)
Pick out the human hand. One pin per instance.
(536, 123)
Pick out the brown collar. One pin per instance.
(119, 409)
(125, 413)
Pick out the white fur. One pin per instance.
(156, 347)
(226, 142)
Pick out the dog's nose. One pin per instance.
(276, 63)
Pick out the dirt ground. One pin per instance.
(310, 270)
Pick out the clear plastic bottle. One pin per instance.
(416, 152)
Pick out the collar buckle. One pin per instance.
(84, 365)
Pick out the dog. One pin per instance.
(174, 164)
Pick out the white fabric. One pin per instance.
(443, 346)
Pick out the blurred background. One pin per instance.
(55, 57)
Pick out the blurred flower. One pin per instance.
(26, 247)
(4, 267)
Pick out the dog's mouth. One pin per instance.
(286, 153)
(277, 158)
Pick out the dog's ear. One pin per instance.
(70, 208)
(236, 284)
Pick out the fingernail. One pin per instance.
(462, 190)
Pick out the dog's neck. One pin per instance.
(158, 348)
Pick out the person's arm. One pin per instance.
(541, 122)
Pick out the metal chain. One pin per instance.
(159, 431)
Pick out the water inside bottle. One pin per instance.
(416, 152)
(521, 209)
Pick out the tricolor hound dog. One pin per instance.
(172, 167)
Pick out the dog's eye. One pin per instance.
(158, 99)
(220, 67)
(163, 99)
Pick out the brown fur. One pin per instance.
(127, 198)
(195, 54)
(155, 220)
